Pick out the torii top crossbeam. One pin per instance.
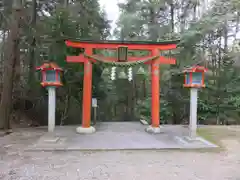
(132, 45)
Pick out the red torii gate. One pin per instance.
(154, 60)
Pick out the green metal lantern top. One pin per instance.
(196, 69)
(49, 66)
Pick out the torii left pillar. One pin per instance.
(86, 127)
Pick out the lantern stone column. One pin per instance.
(193, 113)
(155, 105)
(86, 127)
(51, 108)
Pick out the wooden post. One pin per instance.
(95, 115)
(87, 91)
(94, 106)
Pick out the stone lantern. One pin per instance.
(50, 80)
(194, 79)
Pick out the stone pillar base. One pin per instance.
(192, 134)
(82, 130)
(153, 130)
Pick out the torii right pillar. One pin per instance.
(155, 101)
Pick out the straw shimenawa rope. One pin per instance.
(121, 64)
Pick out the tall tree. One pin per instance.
(9, 64)
(32, 47)
(201, 30)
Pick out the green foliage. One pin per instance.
(69, 23)
(204, 41)
(143, 109)
(201, 41)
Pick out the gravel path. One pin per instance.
(116, 165)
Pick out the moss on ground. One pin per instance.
(216, 134)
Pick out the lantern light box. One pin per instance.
(194, 77)
(50, 74)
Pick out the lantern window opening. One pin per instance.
(51, 75)
(198, 77)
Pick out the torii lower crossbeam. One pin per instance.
(155, 76)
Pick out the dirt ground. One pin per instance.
(122, 165)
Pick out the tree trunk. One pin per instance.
(32, 60)
(152, 23)
(10, 61)
(66, 3)
(2, 56)
(219, 84)
(172, 17)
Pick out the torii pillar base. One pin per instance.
(153, 130)
(85, 130)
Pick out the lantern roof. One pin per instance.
(196, 69)
(49, 65)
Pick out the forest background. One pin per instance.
(33, 31)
